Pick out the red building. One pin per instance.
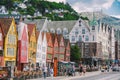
(61, 47)
(49, 49)
(1, 48)
(22, 46)
(56, 46)
(67, 50)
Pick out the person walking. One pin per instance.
(73, 70)
(45, 72)
(81, 69)
(84, 70)
(51, 73)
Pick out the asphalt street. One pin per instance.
(102, 76)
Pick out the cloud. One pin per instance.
(57, 1)
(90, 5)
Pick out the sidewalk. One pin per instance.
(70, 77)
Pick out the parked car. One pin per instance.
(116, 68)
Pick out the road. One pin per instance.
(101, 76)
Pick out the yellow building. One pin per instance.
(32, 44)
(10, 41)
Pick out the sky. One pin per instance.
(110, 7)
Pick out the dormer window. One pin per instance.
(79, 22)
(93, 27)
(65, 31)
(52, 31)
(58, 31)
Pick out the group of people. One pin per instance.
(45, 71)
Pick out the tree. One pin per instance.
(75, 53)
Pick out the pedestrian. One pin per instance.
(81, 69)
(65, 71)
(84, 70)
(73, 70)
(45, 72)
(51, 73)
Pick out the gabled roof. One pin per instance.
(30, 28)
(20, 29)
(39, 23)
(61, 24)
(5, 24)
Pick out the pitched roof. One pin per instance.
(20, 29)
(39, 23)
(61, 24)
(30, 28)
(5, 24)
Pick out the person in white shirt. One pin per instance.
(51, 73)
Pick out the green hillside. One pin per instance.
(52, 10)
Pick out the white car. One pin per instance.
(116, 68)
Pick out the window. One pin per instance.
(43, 49)
(23, 43)
(76, 32)
(43, 56)
(73, 38)
(86, 38)
(93, 27)
(49, 49)
(0, 36)
(79, 22)
(93, 37)
(52, 31)
(83, 31)
(11, 39)
(10, 51)
(80, 38)
(65, 31)
(58, 31)
(12, 28)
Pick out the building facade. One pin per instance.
(10, 41)
(32, 44)
(22, 56)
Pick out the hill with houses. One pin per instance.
(38, 9)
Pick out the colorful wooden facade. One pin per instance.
(10, 40)
(49, 48)
(1, 47)
(67, 50)
(32, 44)
(22, 57)
(61, 47)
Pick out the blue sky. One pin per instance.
(108, 6)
